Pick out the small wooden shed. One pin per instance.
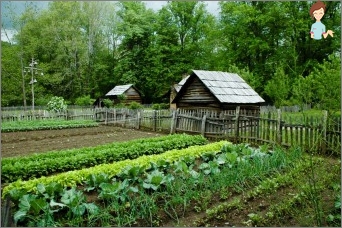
(215, 90)
(128, 91)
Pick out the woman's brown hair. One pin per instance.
(316, 6)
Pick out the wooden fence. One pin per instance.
(322, 134)
(42, 114)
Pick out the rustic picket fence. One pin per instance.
(42, 114)
(321, 134)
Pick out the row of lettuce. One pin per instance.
(48, 163)
(33, 125)
(148, 181)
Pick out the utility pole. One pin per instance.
(34, 70)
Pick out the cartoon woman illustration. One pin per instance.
(317, 11)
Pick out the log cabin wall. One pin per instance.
(196, 96)
(132, 95)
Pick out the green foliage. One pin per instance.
(71, 178)
(176, 183)
(62, 161)
(122, 98)
(45, 125)
(155, 179)
(36, 210)
(57, 104)
(43, 101)
(108, 103)
(116, 191)
(278, 88)
(135, 105)
(160, 106)
(313, 89)
(84, 101)
(124, 42)
(11, 93)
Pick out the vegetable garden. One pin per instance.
(171, 180)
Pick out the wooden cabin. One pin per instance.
(215, 90)
(128, 91)
(175, 89)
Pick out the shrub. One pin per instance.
(108, 103)
(160, 106)
(56, 104)
(135, 105)
(84, 101)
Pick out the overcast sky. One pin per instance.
(212, 7)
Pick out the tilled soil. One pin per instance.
(29, 142)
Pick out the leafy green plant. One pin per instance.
(155, 179)
(210, 167)
(255, 219)
(57, 104)
(36, 211)
(334, 218)
(71, 178)
(52, 162)
(49, 191)
(45, 125)
(135, 105)
(93, 181)
(75, 201)
(160, 106)
(230, 158)
(209, 156)
(108, 103)
(84, 101)
(132, 173)
(117, 191)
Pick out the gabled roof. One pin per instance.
(226, 87)
(181, 83)
(118, 90)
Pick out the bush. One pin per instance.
(56, 104)
(108, 103)
(84, 101)
(160, 106)
(42, 101)
(135, 105)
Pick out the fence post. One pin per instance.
(138, 119)
(324, 131)
(203, 124)
(154, 120)
(237, 115)
(173, 122)
(124, 115)
(279, 133)
(106, 116)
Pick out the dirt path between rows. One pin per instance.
(25, 143)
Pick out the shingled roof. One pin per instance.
(226, 87)
(181, 83)
(118, 90)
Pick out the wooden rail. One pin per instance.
(320, 134)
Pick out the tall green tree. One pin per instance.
(322, 88)
(135, 64)
(265, 36)
(11, 80)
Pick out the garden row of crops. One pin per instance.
(163, 181)
(34, 125)
(38, 165)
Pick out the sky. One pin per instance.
(212, 7)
